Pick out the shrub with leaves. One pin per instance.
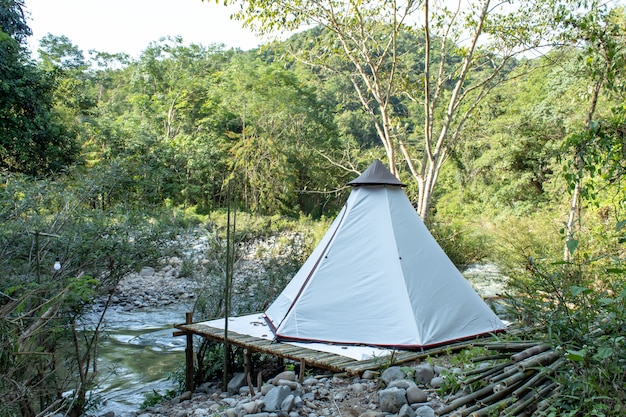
(47, 352)
(579, 307)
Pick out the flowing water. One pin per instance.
(486, 279)
(136, 354)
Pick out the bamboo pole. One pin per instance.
(507, 372)
(535, 350)
(464, 412)
(466, 399)
(498, 394)
(535, 380)
(541, 359)
(514, 379)
(515, 409)
(490, 357)
(504, 346)
(486, 369)
(500, 405)
(513, 388)
(543, 404)
(230, 250)
(483, 376)
(524, 405)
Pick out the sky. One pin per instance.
(129, 26)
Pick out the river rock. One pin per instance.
(251, 407)
(293, 385)
(288, 402)
(274, 399)
(392, 399)
(406, 411)
(267, 388)
(309, 382)
(369, 374)
(236, 382)
(415, 395)
(147, 271)
(392, 373)
(286, 376)
(425, 411)
(436, 382)
(402, 383)
(357, 388)
(424, 373)
(319, 397)
(439, 370)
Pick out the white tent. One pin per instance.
(379, 278)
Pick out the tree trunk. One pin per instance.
(574, 205)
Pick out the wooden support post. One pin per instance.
(259, 381)
(302, 367)
(189, 384)
(247, 366)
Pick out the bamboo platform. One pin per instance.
(297, 352)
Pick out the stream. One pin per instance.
(136, 354)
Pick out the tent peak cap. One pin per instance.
(376, 174)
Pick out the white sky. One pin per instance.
(130, 25)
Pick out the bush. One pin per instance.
(463, 245)
(579, 307)
(46, 355)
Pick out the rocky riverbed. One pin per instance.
(406, 391)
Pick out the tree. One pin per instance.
(277, 127)
(601, 70)
(466, 51)
(157, 121)
(517, 133)
(32, 139)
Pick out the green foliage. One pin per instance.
(579, 306)
(45, 349)
(450, 384)
(32, 138)
(600, 154)
(214, 116)
(277, 245)
(465, 356)
(463, 245)
(155, 398)
(212, 363)
(81, 292)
